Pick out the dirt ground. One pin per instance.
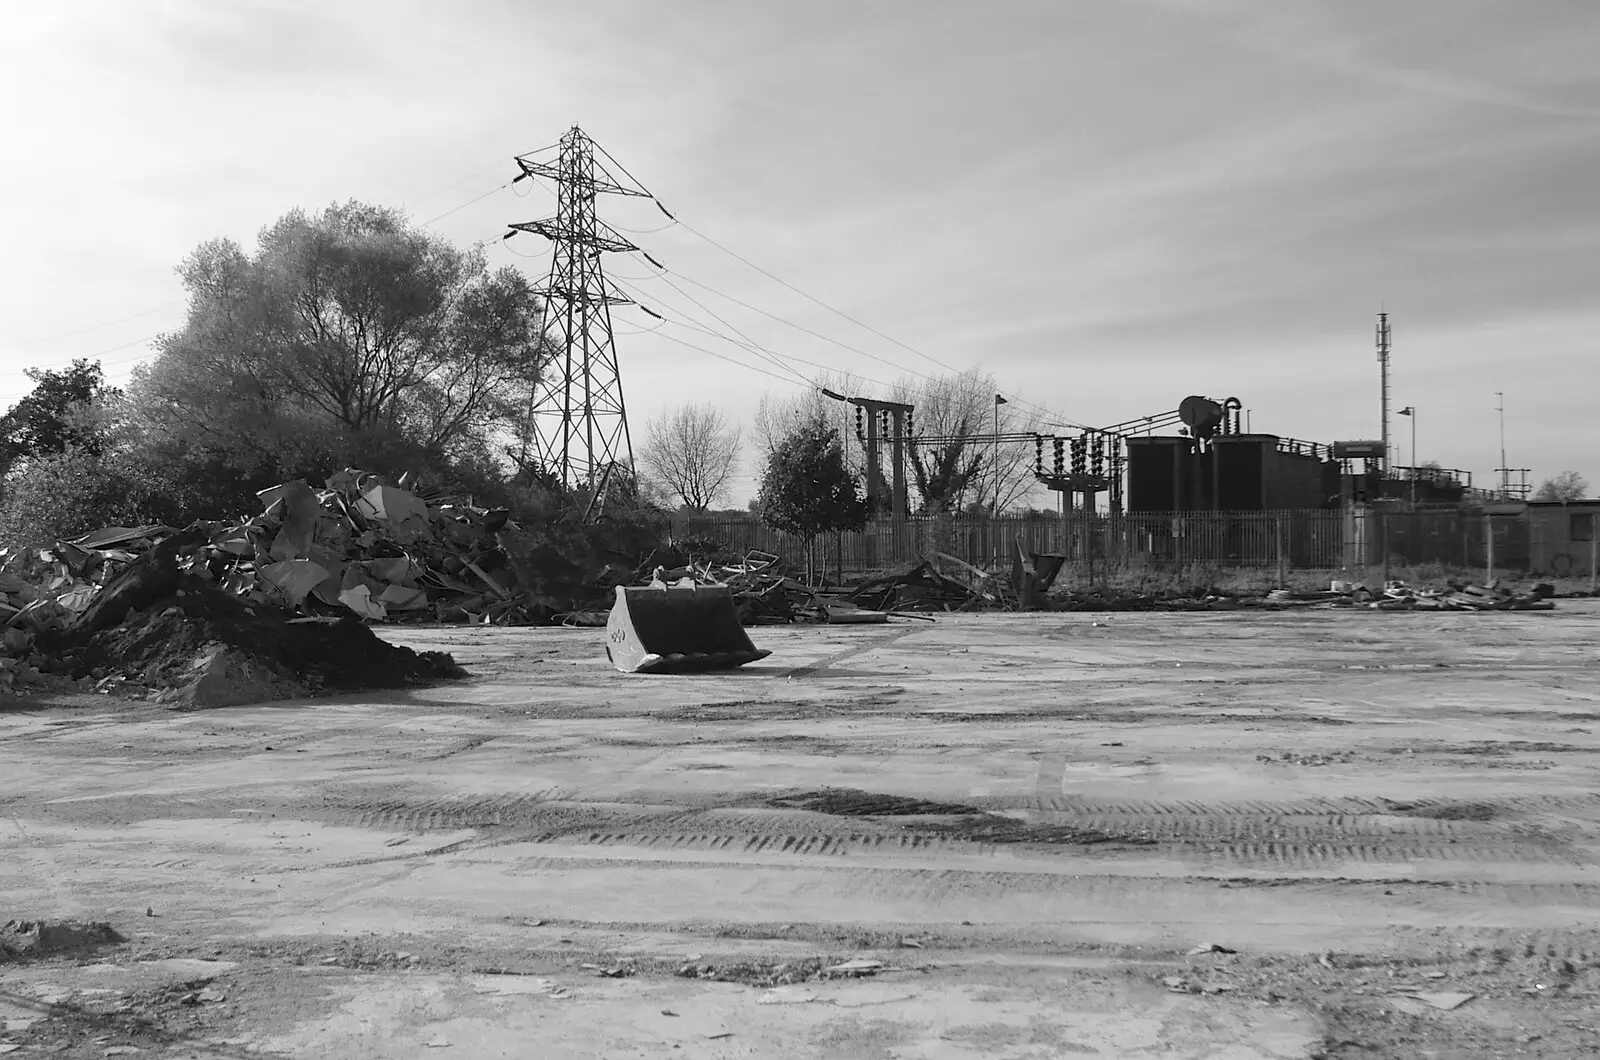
(1296, 834)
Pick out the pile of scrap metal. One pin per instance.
(44, 589)
(763, 594)
(1398, 596)
(920, 588)
(359, 545)
(960, 586)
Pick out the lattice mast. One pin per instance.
(579, 421)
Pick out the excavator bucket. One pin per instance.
(664, 631)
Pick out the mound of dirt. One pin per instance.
(215, 649)
(20, 939)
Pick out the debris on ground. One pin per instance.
(1398, 596)
(923, 588)
(763, 593)
(197, 645)
(359, 545)
(1210, 947)
(23, 939)
(1442, 999)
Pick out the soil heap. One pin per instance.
(164, 628)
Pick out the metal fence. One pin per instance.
(1533, 542)
(1303, 539)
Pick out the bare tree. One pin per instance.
(1566, 486)
(691, 453)
(778, 417)
(956, 464)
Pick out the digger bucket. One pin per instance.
(659, 631)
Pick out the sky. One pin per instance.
(1108, 205)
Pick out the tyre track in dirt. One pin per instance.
(940, 885)
(1581, 802)
(1289, 836)
(1289, 841)
(1323, 857)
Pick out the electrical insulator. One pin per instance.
(1059, 444)
(1038, 454)
(1099, 465)
(1079, 445)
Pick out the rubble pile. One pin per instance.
(357, 546)
(197, 645)
(924, 588)
(763, 594)
(1398, 596)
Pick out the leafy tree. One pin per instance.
(348, 336)
(1566, 486)
(56, 416)
(691, 453)
(806, 490)
(65, 494)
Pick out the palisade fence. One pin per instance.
(1300, 539)
(1281, 541)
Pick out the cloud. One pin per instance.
(1109, 205)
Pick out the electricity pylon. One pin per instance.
(579, 423)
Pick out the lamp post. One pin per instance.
(1410, 412)
(994, 457)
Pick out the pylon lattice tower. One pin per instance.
(579, 422)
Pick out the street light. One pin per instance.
(994, 456)
(1410, 412)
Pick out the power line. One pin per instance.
(60, 361)
(751, 346)
(748, 343)
(720, 357)
(1020, 401)
(464, 205)
(497, 164)
(798, 376)
(92, 327)
(778, 279)
(1048, 417)
(644, 231)
(797, 327)
(412, 204)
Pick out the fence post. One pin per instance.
(1283, 570)
(1488, 544)
(1594, 553)
(1383, 543)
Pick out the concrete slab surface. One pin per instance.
(1239, 834)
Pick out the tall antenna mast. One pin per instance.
(578, 422)
(1505, 473)
(1383, 368)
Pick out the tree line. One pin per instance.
(349, 337)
